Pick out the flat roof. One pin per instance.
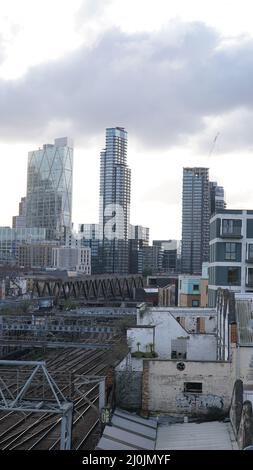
(213, 435)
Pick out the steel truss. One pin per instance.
(92, 379)
(90, 288)
(19, 400)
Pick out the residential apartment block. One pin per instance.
(231, 252)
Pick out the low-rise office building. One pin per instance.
(37, 255)
(193, 290)
(76, 259)
(12, 238)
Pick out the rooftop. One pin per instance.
(213, 435)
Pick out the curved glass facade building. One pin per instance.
(49, 187)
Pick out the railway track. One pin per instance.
(32, 432)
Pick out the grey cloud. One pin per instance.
(161, 86)
(167, 192)
(239, 199)
(91, 10)
(232, 132)
(2, 49)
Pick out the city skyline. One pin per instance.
(102, 153)
(177, 78)
(96, 216)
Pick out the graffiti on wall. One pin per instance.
(191, 402)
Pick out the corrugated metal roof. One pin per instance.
(128, 431)
(244, 319)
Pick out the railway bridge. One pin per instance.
(89, 288)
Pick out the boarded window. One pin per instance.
(179, 348)
(193, 387)
(200, 327)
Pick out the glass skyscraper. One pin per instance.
(49, 187)
(217, 197)
(195, 219)
(114, 210)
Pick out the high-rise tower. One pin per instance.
(195, 219)
(114, 210)
(49, 187)
(217, 197)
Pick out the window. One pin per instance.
(193, 387)
(231, 227)
(250, 251)
(195, 287)
(178, 355)
(195, 303)
(250, 277)
(233, 275)
(179, 348)
(230, 251)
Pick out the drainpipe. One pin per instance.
(238, 369)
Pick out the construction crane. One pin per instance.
(213, 144)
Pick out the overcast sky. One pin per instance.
(175, 74)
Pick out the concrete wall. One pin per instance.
(145, 336)
(167, 328)
(190, 314)
(130, 363)
(128, 378)
(198, 323)
(129, 389)
(163, 387)
(245, 361)
(202, 347)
